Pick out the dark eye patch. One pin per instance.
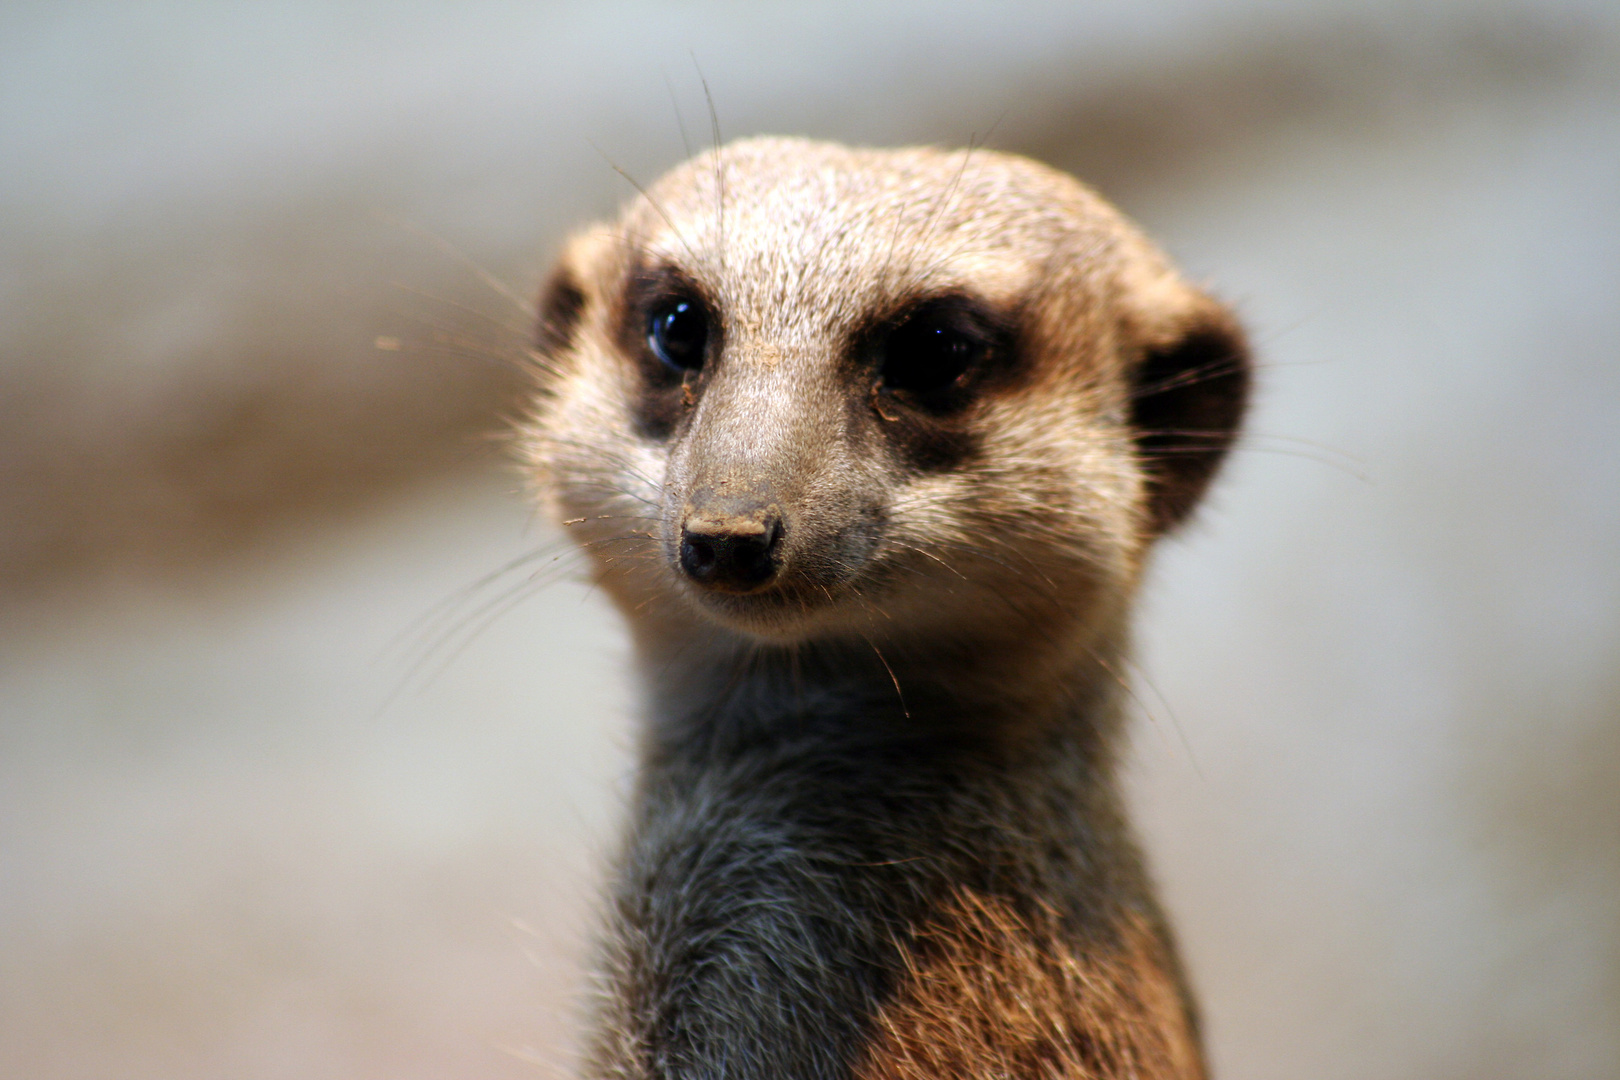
(923, 366)
(934, 354)
(669, 326)
(927, 353)
(669, 322)
(678, 332)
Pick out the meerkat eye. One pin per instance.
(678, 333)
(930, 352)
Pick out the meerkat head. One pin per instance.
(800, 391)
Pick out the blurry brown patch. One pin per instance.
(989, 994)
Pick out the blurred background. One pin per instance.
(306, 773)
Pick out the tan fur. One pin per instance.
(988, 994)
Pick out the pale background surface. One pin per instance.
(1381, 778)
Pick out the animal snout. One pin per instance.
(734, 554)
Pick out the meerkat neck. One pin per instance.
(797, 830)
(988, 705)
(1001, 691)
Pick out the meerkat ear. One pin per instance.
(562, 298)
(566, 292)
(562, 301)
(1188, 395)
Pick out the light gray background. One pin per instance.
(265, 811)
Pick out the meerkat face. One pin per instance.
(801, 391)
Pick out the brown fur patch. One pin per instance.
(988, 994)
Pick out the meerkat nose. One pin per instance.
(735, 554)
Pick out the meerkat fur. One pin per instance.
(869, 448)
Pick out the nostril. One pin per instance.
(738, 556)
(698, 556)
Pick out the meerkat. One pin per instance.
(869, 448)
